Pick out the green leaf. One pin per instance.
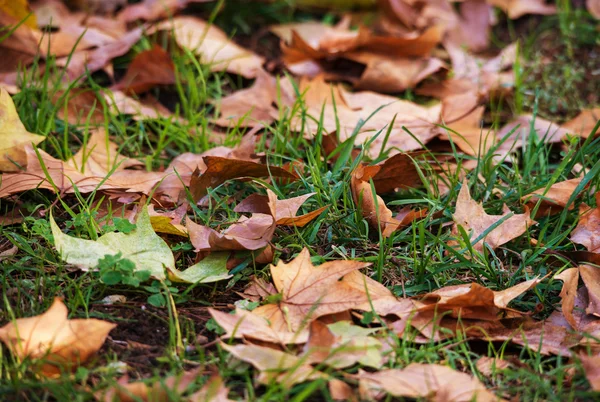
(157, 300)
(111, 277)
(213, 268)
(142, 246)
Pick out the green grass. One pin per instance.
(416, 259)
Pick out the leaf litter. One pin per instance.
(318, 314)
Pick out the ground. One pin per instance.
(558, 78)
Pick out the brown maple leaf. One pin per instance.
(148, 69)
(553, 199)
(472, 217)
(60, 342)
(423, 381)
(309, 292)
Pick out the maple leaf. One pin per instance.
(212, 268)
(219, 170)
(584, 123)
(160, 391)
(309, 292)
(473, 301)
(490, 365)
(13, 136)
(275, 365)
(591, 367)
(424, 381)
(553, 199)
(246, 234)
(142, 246)
(342, 344)
(148, 69)
(472, 217)
(213, 390)
(79, 106)
(391, 63)
(373, 207)
(570, 277)
(213, 46)
(60, 342)
(244, 324)
(284, 211)
(151, 10)
(250, 107)
(587, 231)
(517, 8)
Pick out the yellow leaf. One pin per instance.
(13, 135)
(19, 10)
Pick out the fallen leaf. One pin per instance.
(472, 217)
(151, 10)
(274, 365)
(79, 106)
(427, 381)
(19, 10)
(79, 62)
(246, 234)
(212, 268)
(491, 365)
(219, 170)
(570, 277)
(213, 46)
(14, 136)
(250, 107)
(342, 345)
(591, 278)
(587, 231)
(553, 199)
(285, 210)
(591, 368)
(373, 207)
(214, 391)
(148, 69)
(61, 343)
(309, 292)
(142, 246)
(583, 124)
(518, 8)
(246, 325)
(340, 391)
(162, 390)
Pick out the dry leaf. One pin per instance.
(213, 46)
(518, 8)
(160, 391)
(62, 343)
(213, 391)
(570, 277)
(148, 69)
(79, 106)
(591, 278)
(373, 207)
(284, 210)
(14, 137)
(151, 10)
(309, 292)
(219, 170)
(431, 381)
(340, 391)
(552, 199)
(587, 231)
(245, 324)
(491, 365)
(591, 367)
(472, 217)
(584, 123)
(250, 107)
(274, 365)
